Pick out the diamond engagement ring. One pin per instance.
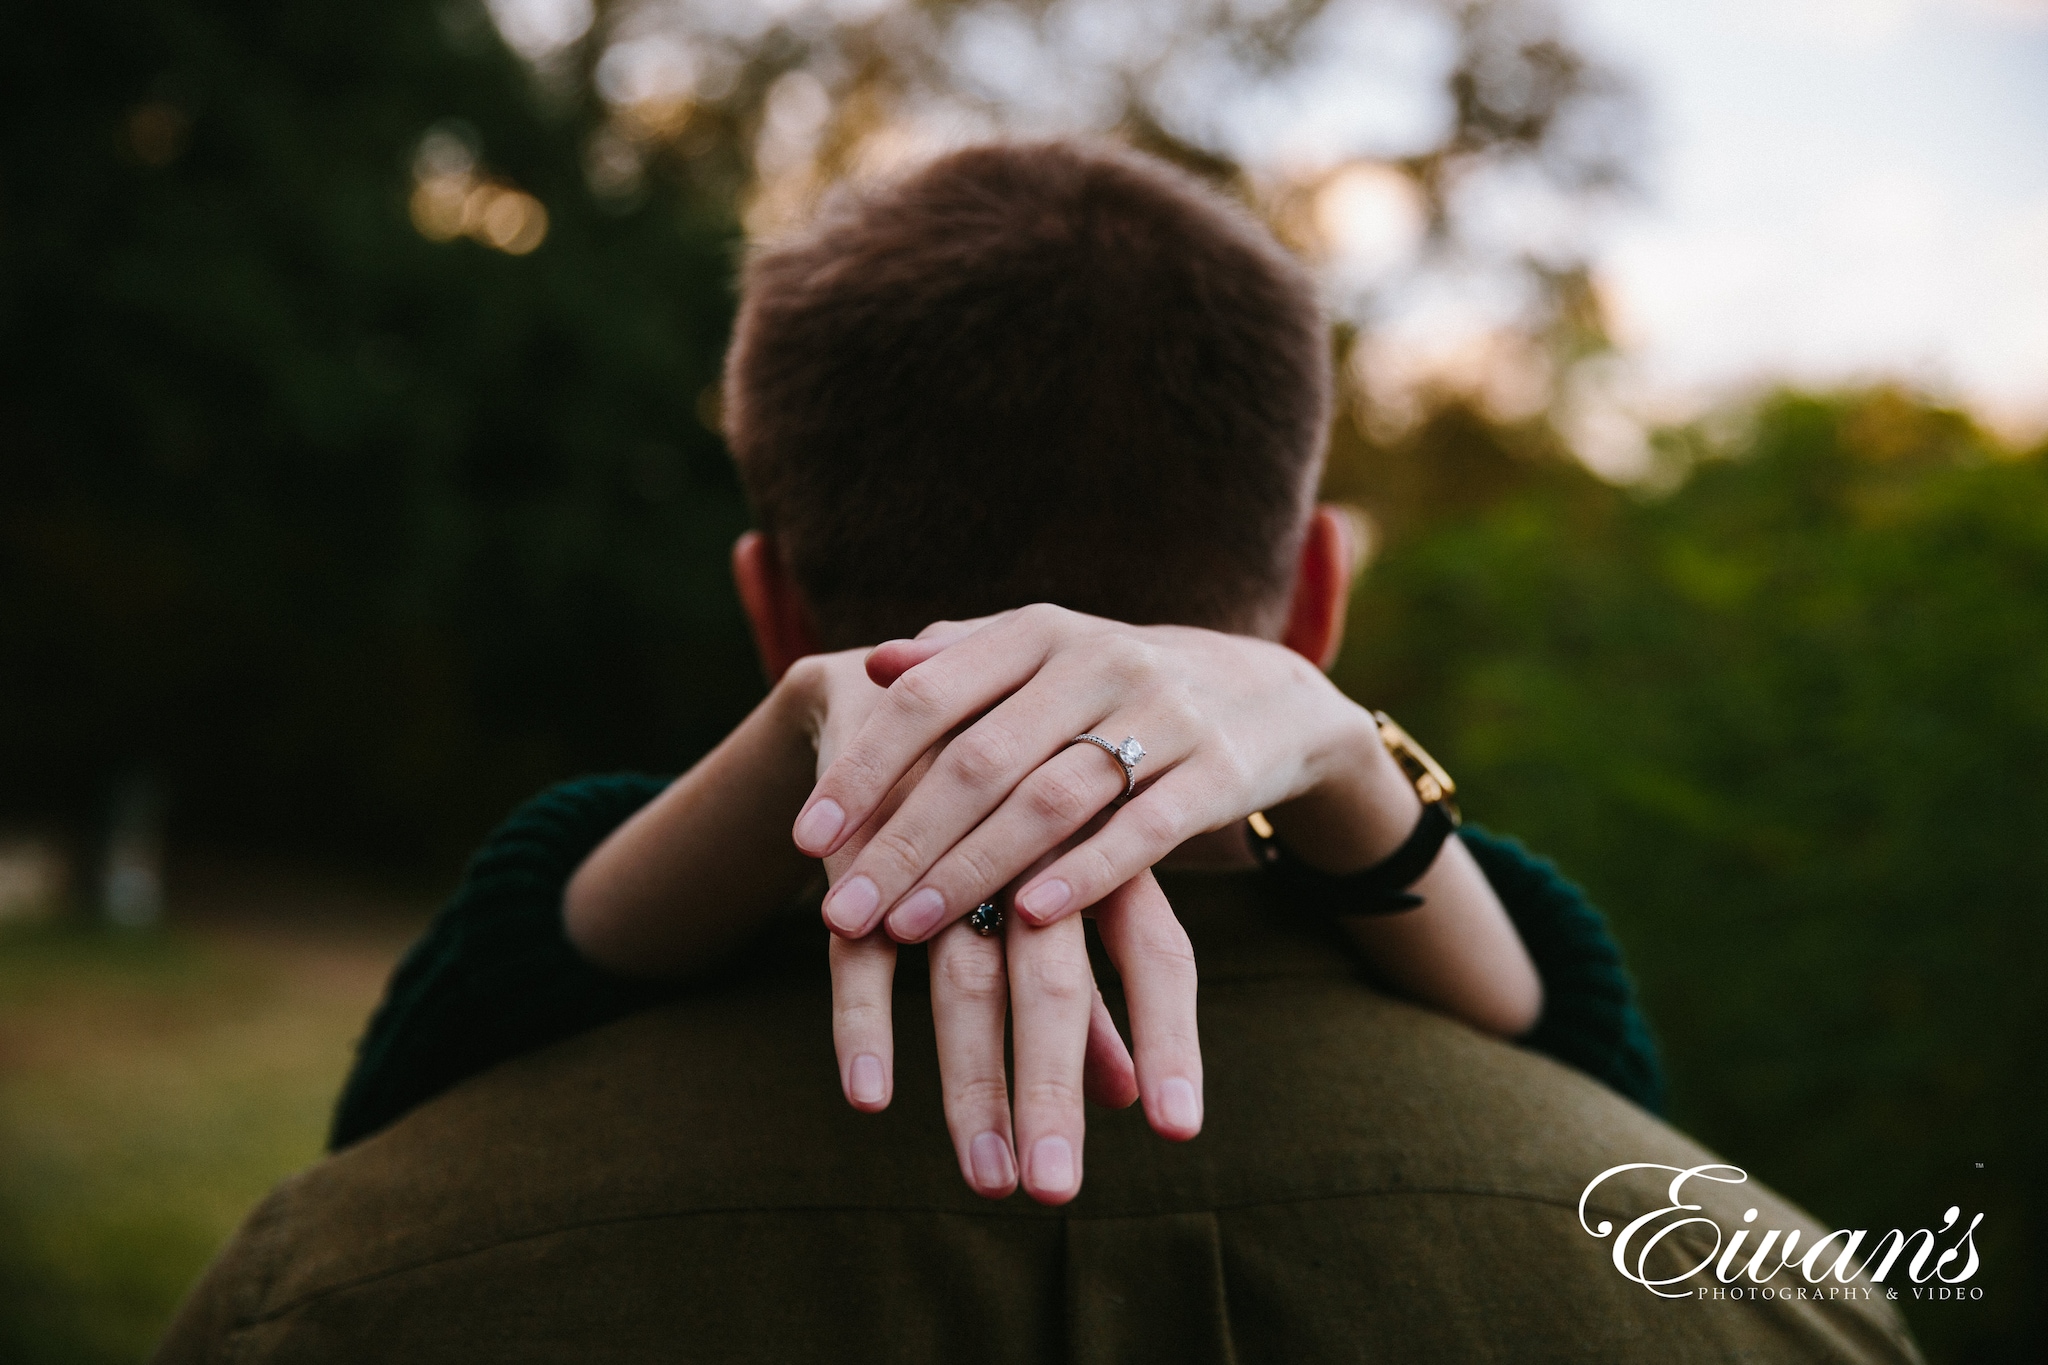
(1127, 755)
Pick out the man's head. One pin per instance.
(1031, 372)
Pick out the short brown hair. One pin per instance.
(1031, 372)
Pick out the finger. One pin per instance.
(862, 972)
(974, 774)
(1052, 992)
(853, 906)
(970, 1005)
(1152, 954)
(896, 657)
(919, 709)
(1107, 1076)
(1159, 819)
(891, 659)
(1060, 797)
(967, 626)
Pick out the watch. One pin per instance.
(1381, 889)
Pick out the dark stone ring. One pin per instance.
(985, 918)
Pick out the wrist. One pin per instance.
(793, 699)
(792, 716)
(1360, 809)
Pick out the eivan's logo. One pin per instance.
(1832, 1256)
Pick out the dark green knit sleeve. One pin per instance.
(495, 975)
(1591, 1019)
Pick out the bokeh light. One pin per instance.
(451, 199)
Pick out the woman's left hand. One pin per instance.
(1230, 724)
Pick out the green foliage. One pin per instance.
(1787, 723)
(353, 536)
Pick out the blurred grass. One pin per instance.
(152, 1087)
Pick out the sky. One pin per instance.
(1835, 190)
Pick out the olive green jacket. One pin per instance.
(1375, 1182)
(495, 976)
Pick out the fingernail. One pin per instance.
(990, 1157)
(1052, 1165)
(817, 827)
(1179, 1106)
(1045, 899)
(864, 1080)
(918, 916)
(852, 904)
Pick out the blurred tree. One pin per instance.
(1405, 145)
(355, 535)
(1786, 723)
(359, 475)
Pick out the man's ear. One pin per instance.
(1322, 587)
(783, 631)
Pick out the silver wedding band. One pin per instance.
(1128, 756)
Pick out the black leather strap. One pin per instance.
(1381, 889)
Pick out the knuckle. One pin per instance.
(973, 976)
(1179, 709)
(894, 853)
(1128, 661)
(1055, 979)
(983, 757)
(920, 692)
(1040, 616)
(1095, 871)
(1060, 797)
(983, 1093)
(1155, 820)
(860, 770)
(1168, 950)
(971, 872)
(1048, 1093)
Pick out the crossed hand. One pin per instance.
(949, 776)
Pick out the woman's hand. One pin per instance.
(1230, 724)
